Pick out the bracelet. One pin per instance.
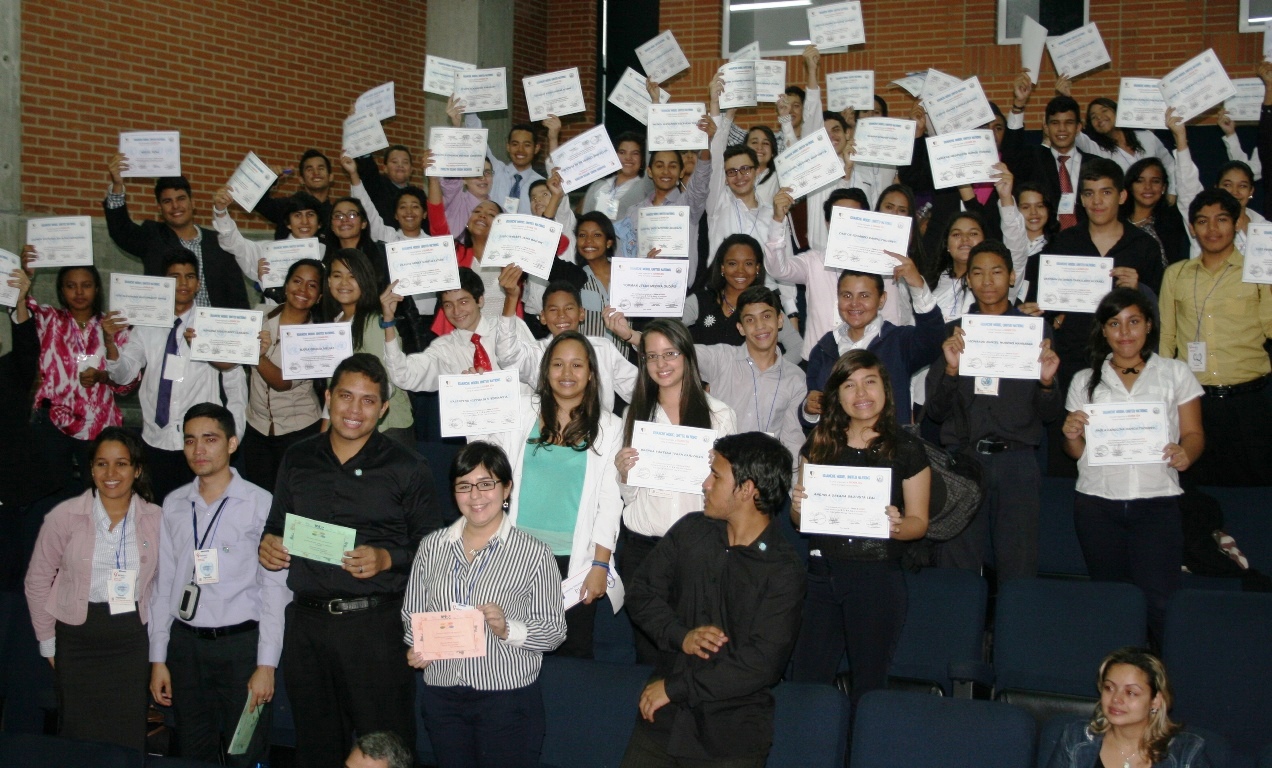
(387, 324)
(600, 564)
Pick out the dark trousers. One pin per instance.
(644, 751)
(263, 453)
(632, 551)
(102, 674)
(484, 729)
(1139, 541)
(169, 470)
(209, 689)
(1239, 441)
(857, 606)
(580, 621)
(1008, 516)
(61, 453)
(346, 673)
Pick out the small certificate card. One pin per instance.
(846, 501)
(1033, 39)
(423, 265)
(479, 404)
(227, 335)
(631, 96)
(8, 263)
(850, 90)
(449, 634)
(738, 78)
(247, 721)
(1073, 283)
(315, 540)
(770, 80)
(439, 74)
(961, 108)
(1140, 104)
(884, 140)
(809, 164)
(523, 239)
(675, 126)
(313, 351)
(649, 287)
(832, 26)
(858, 240)
(458, 153)
(482, 90)
(661, 57)
(1001, 346)
(363, 135)
(665, 227)
(1078, 52)
(1126, 433)
(556, 93)
(1245, 106)
(279, 255)
(251, 180)
(1197, 85)
(962, 158)
(60, 241)
(378, 101)
(671, 458)
(151, 154)
(144, 300)
(1257, 253)
(585, 158)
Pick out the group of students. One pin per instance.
(720, 600)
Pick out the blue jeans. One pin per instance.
(484, 729)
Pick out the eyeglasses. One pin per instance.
(670, 356)
(745, 170)
(345, 216)
(481, 485)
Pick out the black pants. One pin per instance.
(632, 551)
(209, 689)
(1008, 516)
(346, 673)
(1238, 441)
(484, 729)
(169, 470)
(580, 622)
(103, 675)
(263, 453)
(62, 453)
(645, 751)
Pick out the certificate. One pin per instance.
(8, 263)
(884, 140)
(449, 634)
(613, 589)
(770, 81)
(675, 126)
(839, 24)
(962, 158)
(1125, 433)
(1033, 39)
(1140, 104)
(961, 108)
(858, 240)
(585, 158)
(937, 82)
(1001, 346)
(279, 255)
(809, 164)
(912, 83)
(458, 153)
(1257, 253)
(1073, 283)
(850, 90)
(439, 74)
(315, 540)
(144, 300)
(1079, 51)
(423, 265)
(247, 721)
(846, 501)
(748, 52)
(556, 93)
(151, 153)
(363, 135)
(529, 241)
(227, 335)
(665, 227)
(1197, 85)
(671, 458)
(1245, 106)
(661, 57)
(482, 90)
(738, 79)
(251, 180)
(378, 101)
(631, 96)
(649, 287)
(314, 350)
(60, 241)
(479, 404)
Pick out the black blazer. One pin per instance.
(1034, 162)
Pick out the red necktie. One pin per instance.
(1066, 187)
(481, 360)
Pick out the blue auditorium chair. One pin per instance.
(810, 727)
(944, 632)
(903, 729)
(26, 749)
(606, 694)
(1059, 553)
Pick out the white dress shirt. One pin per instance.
(449, 354)
(615, 374)
(247, 253)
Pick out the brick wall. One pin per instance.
(573, 44)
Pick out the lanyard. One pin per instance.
(755, 387)
(120, 549)
(738, 207)
(209, 531)
(1201, 310)
(472, 584)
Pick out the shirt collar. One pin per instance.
(456, 530)
(237, 489)
(101, 520)
(871, 330)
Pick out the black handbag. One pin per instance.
(958, 488)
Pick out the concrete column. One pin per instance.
(12, 231)
(479, 32)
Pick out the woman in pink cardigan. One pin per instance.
(88, 590)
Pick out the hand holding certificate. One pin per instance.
(858, 240)
(314, 350)
(632, 96)
(60, 241)
(809, 164)
(738, 81)
(439, 74)
(316, 540)
(1078, 52)
(1257, 253)
(850, 90)
(227, 335)
(458, 153)
(649, 287)
(884, 140)
(482, 90)
(528, 241)
(1001, 346)
(449, 634)
(8, 263)
(144, 300)
(962, 158)
(846, 501)
(1197, 85)
(961, 108)
(1126, 433)
(584, 159)
(1033, 39)
(839, 24)
(279, 255)
(670, 458)
(661, 57)
(556, 93)
(251, 180)
(378, 101)
(151, 154)
(1073, 283)
(1140, 104)
(675, 126)
(423, 265)
(363, 135)
(479, 404)
(665, 227)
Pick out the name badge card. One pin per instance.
(671, 458)
(661, 57)
(836, 25)
(316, 540)
(8, 263)
(665, 227)
(1245, 106)
(675, 126)
(858, 240)
(439, 74)
(458, 153)
(479, 404)
(738, 78)
(121, 590)
(251, 180)
(60, 241)
(1197, 85)
(1258, 254)
(809, 164)
(1001, 346)
(144, 300)
(363, 135)
(279, 255)
(850, 90)
(585, 158)
(1140, 104)
(379, 101)
(482, 90)
(1126, 433)
(1073, 283)
(1033, 39)
(314, 350)
(523, 239)
(150, 154)
(846, 501)
(770, 81)
(423, 265)
(649, 287)
(937, 82)
(441, 635)
(961, 108)
(1079, 51)
(556, 93)
(227, 335)
(631, 96)
(962, 158)
(207, 566)
(884, 140)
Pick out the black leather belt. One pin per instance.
(212, 633)
(1235, 389)
(990, 445)
(338, 605)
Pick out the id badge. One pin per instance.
(121, 586)
(611, 210)
(174, 368)
(458, 606)
(84, 362)
(1197, 356)
(511, 204)
(987, 385)
(1068, 201)
(207, 566)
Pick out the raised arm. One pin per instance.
(247, 254)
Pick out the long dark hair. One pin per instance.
(136, 455)
(607, 226)
(768, 133)
(1110, 306)
(97, 285)
(322, 278)
(715, 280)
(944, 263)
(585, 420)
(830, 436)
(916, 252)
(1104, 142)
(366, 243)
(466, 237)
(1052, 227)
(1133, 174)
(368, 304)
(694, 410)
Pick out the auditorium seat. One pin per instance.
(902, 729)
(942, 640)
(1217, 750)
(1245, 519)
(1059, 553)
(810, 727)
(606, 695)
(26, 749)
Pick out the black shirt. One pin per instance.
(722, 706)
(385, 492)
(712, 325)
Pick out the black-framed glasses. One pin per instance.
(745, 170)
(481, 485)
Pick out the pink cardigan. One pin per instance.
(61, 569)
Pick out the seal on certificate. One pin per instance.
(1102, 451)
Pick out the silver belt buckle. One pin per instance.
(331, 607)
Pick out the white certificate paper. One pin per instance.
(314, 350)
(770, 81)
(251, 180)
(665, 227)
(884, 140)
(809, 164)
(846, 501)
(661, 57)
(961, 108)
(227, 335)
(1126, 433)
(1001, 346)
(523, 239)
(281, 254)
(649, 287)
(556, 93)
(1079, 51)
(738, 78)
(832, 26)
(151, 154)
(144, 300)
(1245, 106)
(482, 90)
(912, 83)
(631, 96)
(363, 135)
(1073, 283)
(1257, 253)
(458, 153)
(8, 263)
(962, 158)
(671, 458)
(1033, 39)
(423, 265)
(850, 90)
(1197, 85)
(675, 126)
(479, 404)
(858, 240)
(1140, 104)
(439, 74)
(748, 52)
(60, 241)
(378, 101)
(586, 158)
(937, 82)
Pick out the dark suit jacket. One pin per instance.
(1034, 162)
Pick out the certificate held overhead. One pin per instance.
(60, 241)
(661, 57)
(632, 96)
(836, 25)
(809, 164)
(151, 154)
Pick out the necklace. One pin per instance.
(1129, 371)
